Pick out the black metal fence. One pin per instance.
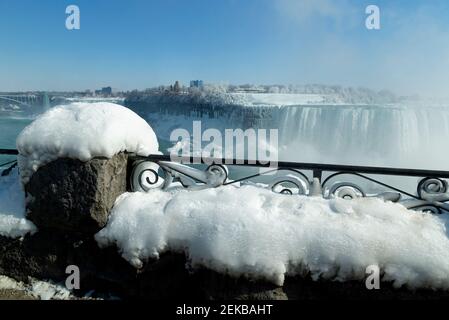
(322, 180)
(307, 179)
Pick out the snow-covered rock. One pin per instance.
(260, 234)
(83, 131)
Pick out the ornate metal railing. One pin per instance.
(10, 164)
(309, 179)
(158, 171)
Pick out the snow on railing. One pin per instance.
(159, 171)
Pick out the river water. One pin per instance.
(9, 129)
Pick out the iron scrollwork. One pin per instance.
(158, 171)
(432, 193)
(148, 175)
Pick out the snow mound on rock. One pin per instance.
(83, 131)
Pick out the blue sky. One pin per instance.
(141, 43)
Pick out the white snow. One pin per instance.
(254, 232)
(83, 131)
(278, 99)
(9, 283)
(43, 290)
(12, 207)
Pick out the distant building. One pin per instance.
(177, 87)
(196, 84)
(106, 91)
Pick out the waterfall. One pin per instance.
(398, 136)
(45, 101)
(395, 135)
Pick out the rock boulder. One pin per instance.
(75, 196)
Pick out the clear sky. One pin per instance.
(142, 43)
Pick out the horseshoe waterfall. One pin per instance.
(400, 134)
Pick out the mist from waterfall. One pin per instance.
(402, 134)
(411, 136)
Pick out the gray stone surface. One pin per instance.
(46, 254)
(76, 196)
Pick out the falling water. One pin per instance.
(398, 136)
(395, 135)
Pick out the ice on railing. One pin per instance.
(254, 232)
(83, 131)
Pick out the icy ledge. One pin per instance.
(83, 131)
(259, 234)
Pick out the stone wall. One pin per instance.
(70, 201)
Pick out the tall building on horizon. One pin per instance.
(196, 83)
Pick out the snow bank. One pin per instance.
(83, 131)
(9, 283)
(49, 291)
(42, 290)
(12, 207)
(260, 234)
